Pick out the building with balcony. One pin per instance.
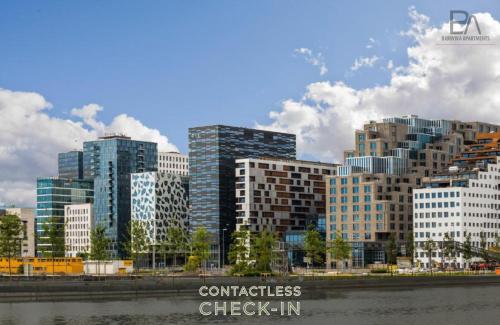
(484, 150)
(370, 198)
(212, 154)
(109, 162)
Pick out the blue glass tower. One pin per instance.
(109, 161)
(70, 164)
(53, 194)
(212, 154)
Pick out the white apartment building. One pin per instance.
(173, 163)
(459, 202)
(79, 221)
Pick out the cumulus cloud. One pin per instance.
(364, 62)
(316, 60)
(452, 82)
(31, 138)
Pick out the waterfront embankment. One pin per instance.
(67, 288)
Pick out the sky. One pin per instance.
(71, 71)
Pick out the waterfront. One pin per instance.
(439, 305)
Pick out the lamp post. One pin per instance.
(223, 246)
(154, 246)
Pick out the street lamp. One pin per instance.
(223, 247)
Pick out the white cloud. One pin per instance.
(31, 138)
(420, 23)
(453, 82)
(371, 43)
(390, 65)
(316, 60)
(364, 62)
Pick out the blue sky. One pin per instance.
(176, 64)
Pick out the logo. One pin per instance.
(465, 29)
(466, 21)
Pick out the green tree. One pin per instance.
(392, 249)
(99, 245)
(429, 247)
(467, 249)
(314, 246)
(137, 241)
(201, 246)
(11, 229)
(448, 247)
(339, 249)
(52, 240)
(262, 250)
(410, 246)
(176, 243)
(239, 251)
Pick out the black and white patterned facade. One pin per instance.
(161, 198)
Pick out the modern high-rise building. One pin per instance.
(173, 163)
(458, 202)
(27, 217)
(109, 162)
(78, 224)
(160, 201)
(53, 194)
(279, 195)
(70, 164)
(370, 198)
(212, 154)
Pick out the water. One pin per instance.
(427, 306)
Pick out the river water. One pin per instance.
(471, 305)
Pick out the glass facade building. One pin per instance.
(70, 164)
(53, 194)
(212, 154)
(109, 161)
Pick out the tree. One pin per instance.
(314, 246)
(392, 249)
(52, 239)
(176, 242)
(137, 241)
(448, 246)
(11, 229)
(263, 250)
(467, 249)
(410, 246)
(484, 252)
(429, 247)
(201, 246)
(99, 244)
(339, 249)
(239, 251)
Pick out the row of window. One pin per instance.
(438, 205)
(355, 208)
(438, 195)
(356, 218)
